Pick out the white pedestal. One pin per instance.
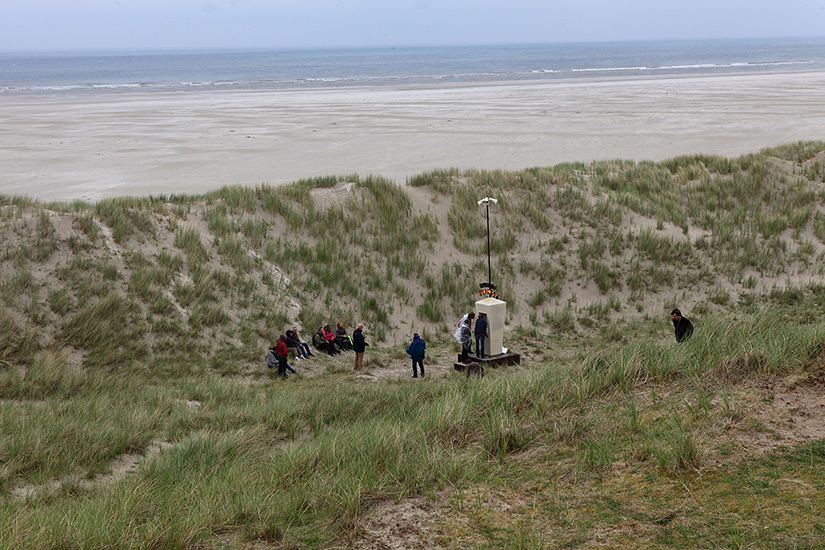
(495, 310)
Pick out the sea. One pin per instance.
(80, 73)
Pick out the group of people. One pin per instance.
(338, 341)
(332, 342)
(324, 339)
(465, 332)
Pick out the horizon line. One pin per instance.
(228, 49)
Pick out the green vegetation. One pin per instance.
(300, 464)
(136, 329)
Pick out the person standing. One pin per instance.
(280, 352)
(466, 340)
(468, 318)
(359, 345)
(416, 352)
(481, 332)
(683, 328)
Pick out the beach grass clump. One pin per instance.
(206, 314)
(649, 189)
(17, 345)
(189, 240)
(235, 252)
(20, 284)
(663, 249)
(46, 242)
(441, 181)
(463, 217)
(255, 231)
(111, 331)
(799, 152)
(572, 202)
(236, 198)
(127, 217)
(48, 374)
(219, 221)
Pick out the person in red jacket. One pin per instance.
(329, 336)
(281, 351)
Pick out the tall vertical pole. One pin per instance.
(489, 268)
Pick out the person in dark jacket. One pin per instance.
(481, 332)
(683, 327)
(416, 352)
(359, 345)
(342, 338)
(466, 339)
(321, 343)
(294, 344)
(304, 346)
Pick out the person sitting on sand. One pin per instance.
(321, 343)
(329, 336)
(682, 326)
(416, 352)
(294, 344)
(304, 345)
(342, 338)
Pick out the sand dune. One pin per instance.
(92, 147)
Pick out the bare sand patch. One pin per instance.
(90, 148)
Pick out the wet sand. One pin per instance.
(92, 147)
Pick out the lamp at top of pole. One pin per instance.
(487, 200)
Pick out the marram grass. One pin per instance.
(299, 464)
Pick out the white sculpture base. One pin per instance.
(495, 310)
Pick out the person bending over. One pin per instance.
(682, 326)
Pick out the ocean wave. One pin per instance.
(691, 66)
(477, 65)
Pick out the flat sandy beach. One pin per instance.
(96, 146)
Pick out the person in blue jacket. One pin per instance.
(416, 351)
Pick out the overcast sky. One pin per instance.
(174, 24)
